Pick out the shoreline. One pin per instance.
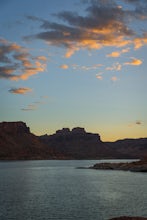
(135, 166)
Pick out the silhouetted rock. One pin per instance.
(137, 166)
(132, 148)
(78, 130)
(14, 128)
(128, 218)
(17, 142)
(76, 144)
(63, 131)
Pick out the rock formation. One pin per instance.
(135, 148)
(14, 128)
(137, 166)
(128, 218)
(77, 144)
(17, 142)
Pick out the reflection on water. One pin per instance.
(42, 190)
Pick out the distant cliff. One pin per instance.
(17, 142)
(14, 128)
(76, 144)
(132, 148)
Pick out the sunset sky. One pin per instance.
(75, 63)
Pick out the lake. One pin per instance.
(55, 189)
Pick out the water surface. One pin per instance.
(54, 189)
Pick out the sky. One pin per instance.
(75, 63)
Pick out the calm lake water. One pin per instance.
(43, 190)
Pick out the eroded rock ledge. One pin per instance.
(137, 166)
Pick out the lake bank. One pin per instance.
(135, 166)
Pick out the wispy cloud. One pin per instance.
(135, 123)
(30, 107)
(114, 78)
(16, 63)
(99, 76)
(134, 62)
(115, 67)
(64, 66)
(36, 104)
(84, 67)
(118, 53)
(21, 91)
(138, 122)
(104, 24)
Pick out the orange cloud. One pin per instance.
(17, 63)
(118, 53)
(99, 76)
(114, 54)
(64, 66)
(38, 67)
(43, 58)
(71, 50)
(102, 26)
(139, 42)
(134, 62)
(21, 91)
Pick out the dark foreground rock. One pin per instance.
(128, 218)
(137, 166)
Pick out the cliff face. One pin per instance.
(132, 148)
(78, 144)
(14, 128)
(16, 142)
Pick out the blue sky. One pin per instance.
(75, 63)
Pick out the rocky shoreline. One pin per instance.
(128, 218)
(137, 166)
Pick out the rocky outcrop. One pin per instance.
(16, 142)
(14, 128)
(77, 144)
(128, 218)
(137, 166)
